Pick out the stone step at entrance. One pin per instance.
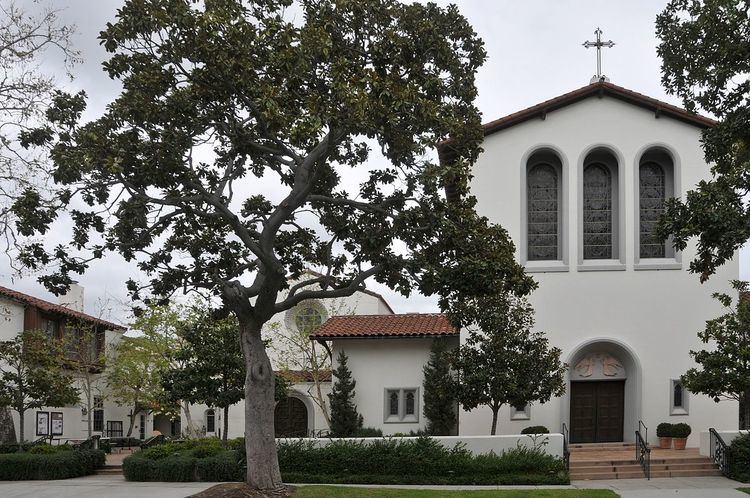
(109, 470)
(618, 462)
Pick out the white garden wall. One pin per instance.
(478, 445)
(727, 436)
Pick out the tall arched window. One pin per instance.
(543, 208)
(210, 421)
(652, 181)
(597, 212)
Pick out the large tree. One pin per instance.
(29, 36)
(704, 50)
(723, 371)
(502, 361)
(32, 375)
(241, 151)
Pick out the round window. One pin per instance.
(308, 318)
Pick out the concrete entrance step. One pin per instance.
(635, 466)
(582, 462)
(579, 447)
(109, 470)
(583, 476)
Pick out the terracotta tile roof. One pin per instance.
(406, 325)
(56, 308)
(304, 375)
(599, 88)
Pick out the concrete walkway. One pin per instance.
(117, 487)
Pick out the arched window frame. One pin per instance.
(550, 155)
(210, 414)
(670, 162)
(609, 157)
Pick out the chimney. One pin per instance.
(73, 299)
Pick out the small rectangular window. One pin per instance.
(393, 403)
(520, 412)
(114, 428)
(401, 405)
(409, 402)
(98, 414)
(678, 398)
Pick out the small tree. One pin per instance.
(345, 420)
(503, 361)
(212, 368)
(134, 377)
(31, 370)
(84, 355)
(439, 391)
(724, 371)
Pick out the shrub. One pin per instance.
(535, 429)
(664, 430)
(739, 452)
(173, 468)
(681, 430)
(60, 464)
(224, 466)
(368, 432)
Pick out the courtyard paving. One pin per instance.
(117, 487)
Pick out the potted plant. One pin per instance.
(680, 433)
(664, 433)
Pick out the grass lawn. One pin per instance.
(744, 490)
(347, 492)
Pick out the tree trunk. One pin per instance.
(188, 419)
(132, 420)
(745, 407)
(319, 392)
(226, 425)
(495, 410)
(260, 444)
(21, 424)
(88, 411)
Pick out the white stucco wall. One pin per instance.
(11, 319)
(727, 436)
(380, 364)
(478, 445)
(656, 314)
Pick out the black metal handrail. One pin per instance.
(566, 449)
(642, 451)
(153, 441)
(643, 430)
(719, 451)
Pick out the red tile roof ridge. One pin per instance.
(55, 308)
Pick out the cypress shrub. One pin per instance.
(439, 392)
(345, 421)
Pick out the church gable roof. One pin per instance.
(598, 89)
(404, 325)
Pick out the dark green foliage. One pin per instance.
(739, 452)
(681, 430)
(535, 429)
(367, 432)
(57, 465)
(48, 449)
(704, 50)
(419, 461)
(503, 361)
(724, 370)
(387, 461)
(345, 421)
(664, 430)
(439, 392)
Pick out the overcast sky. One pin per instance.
(534, 50)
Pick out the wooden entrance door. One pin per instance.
(596, 411)
(290, 418)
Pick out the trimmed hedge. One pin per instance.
(535, 429)
(739, 452)
(61, 464)
(388, 461)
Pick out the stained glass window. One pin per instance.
(543, 212)
(409, 403)
(677, 399)
(393, 403)
(597, 212)
(308, 319)
(652, 183)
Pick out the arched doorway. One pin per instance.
(290, 418)
(603, 397)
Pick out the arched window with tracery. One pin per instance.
(543, 212)
(652, 183)
(597, 212)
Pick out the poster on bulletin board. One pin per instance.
(42, 423)
(57, 423)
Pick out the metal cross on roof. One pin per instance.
(599, 44)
